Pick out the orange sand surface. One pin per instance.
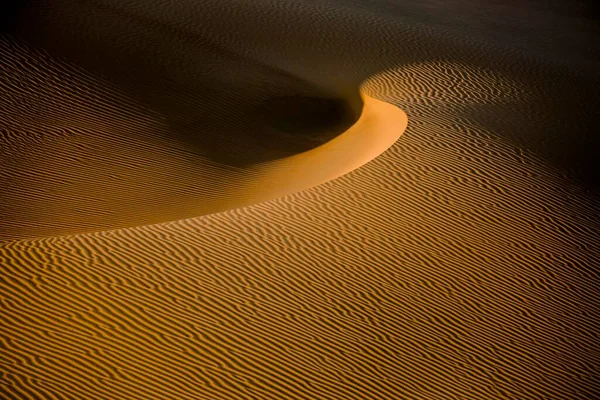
(294, 199)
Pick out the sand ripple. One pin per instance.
(461, 263)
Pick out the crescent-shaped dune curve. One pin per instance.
(379, 126)
(460, 263)
(96, 160)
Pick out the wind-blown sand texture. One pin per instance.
(146, 250)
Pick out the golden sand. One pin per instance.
(458, 262)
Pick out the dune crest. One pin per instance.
(377, 129)
(83, 155)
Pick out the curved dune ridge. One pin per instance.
(378, 128)
(97, 160)
(461, 263)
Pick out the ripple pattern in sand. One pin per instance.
(460, 264)
(376, 285)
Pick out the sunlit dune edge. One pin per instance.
(96, 178)
(85, 154)
(379, 126)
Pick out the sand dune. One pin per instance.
(460, 263)
(122, 167)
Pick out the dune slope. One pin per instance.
(461, 263)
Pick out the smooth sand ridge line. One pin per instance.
(379, 126)
(108, 163)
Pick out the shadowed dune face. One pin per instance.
(318, 119)
(208, 95)
(169, 131)
(461, 263)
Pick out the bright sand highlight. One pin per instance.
(379, 126)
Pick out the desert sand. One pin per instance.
(330, 199)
